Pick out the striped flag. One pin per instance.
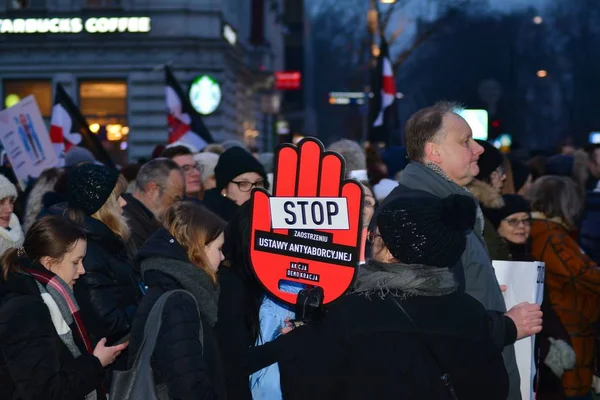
(185, 124)
(383, 110)
(69, 128)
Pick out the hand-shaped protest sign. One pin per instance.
(309, 230)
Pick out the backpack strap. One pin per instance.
(153, 324)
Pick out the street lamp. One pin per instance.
(537, 20)
(542, 73)
(388, 1)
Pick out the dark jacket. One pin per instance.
(234, 331)
(220, 205)
(35, 363)
(109, 291)
(589, 233)
(477, 274)
(141, 221)
(366, 348)
(191, 369)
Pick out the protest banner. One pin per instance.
(24, 136)
(308, 231)
(524, 282)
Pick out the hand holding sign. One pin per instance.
(308, 231)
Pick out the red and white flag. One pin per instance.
(185, 124)
(384, 116)
(68, 128)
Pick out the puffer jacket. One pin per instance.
(109, 291)
(191, 368)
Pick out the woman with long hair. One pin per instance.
(46, 353)
(572, 279)
(110, 290)
(184, 254)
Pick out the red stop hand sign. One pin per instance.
(309, 230)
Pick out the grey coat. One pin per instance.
(477, 274)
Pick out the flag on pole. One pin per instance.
(69, 128)
(383, 110)
(185, 123)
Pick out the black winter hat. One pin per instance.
(237, 161)
(420, 228)
(89, 186)
(489, 161)
(520, 172)
(513, 203)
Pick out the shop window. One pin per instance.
(104, 105)
(102, 3)
(16, 90)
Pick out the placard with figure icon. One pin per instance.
(25, 138)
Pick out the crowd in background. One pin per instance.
(88, 251)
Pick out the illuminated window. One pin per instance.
(102, 3)
(16, 90)
(104, 105)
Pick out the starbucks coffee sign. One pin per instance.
(93, 25)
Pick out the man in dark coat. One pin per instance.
(159, 184)
(444, 159)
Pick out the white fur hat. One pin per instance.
(7, 189)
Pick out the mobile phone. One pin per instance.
(121, 341)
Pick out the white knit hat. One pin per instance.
(7, 189)
(209, 162)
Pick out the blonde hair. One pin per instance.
(109, 214)
(194, 227)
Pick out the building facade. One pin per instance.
(109, 56)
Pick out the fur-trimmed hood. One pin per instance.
(486, 194)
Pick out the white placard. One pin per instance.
(25, 138)
(328, 213)
(525, 282)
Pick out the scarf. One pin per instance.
(556, 220)
(191, 278)
(11, 237)
(64, 311)
(440, 172)
(411, 280)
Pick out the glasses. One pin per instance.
(515, 222)
(174, 197)
(246, 186)
(191, 167)
(372, 236)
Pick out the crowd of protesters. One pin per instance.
(87, 252)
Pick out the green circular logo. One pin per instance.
(205, 94)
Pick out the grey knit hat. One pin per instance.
(7, 189)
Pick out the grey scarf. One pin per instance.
(403, 279)
(192, 279)
(65, 334)
(440, 172)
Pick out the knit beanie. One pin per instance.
(7, 189)
(234, 162)
(208, 161)
(420, 228)
(89, 186)
(489, 161)
(513, 203)
(520, 173)
(78, 155)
